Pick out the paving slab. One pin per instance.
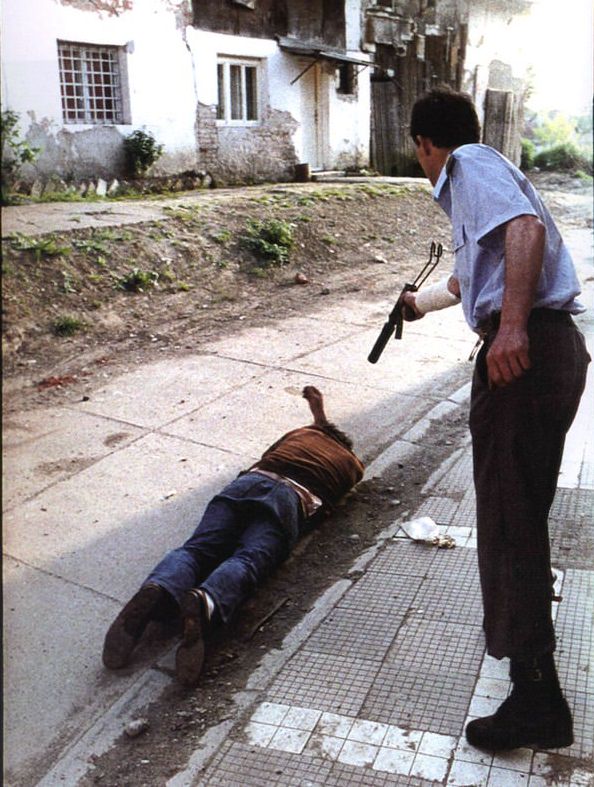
(45, 446)
(275, 405)
(107, 526)
(161, 392)
(436, 367)
(53, 632)
(275, 345)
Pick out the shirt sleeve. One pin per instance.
(487, 195)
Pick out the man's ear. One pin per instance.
(425, 144)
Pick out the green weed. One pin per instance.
(67, 325)
(187, 213)
(45, 246)
(138, 280)
(91, 245)
(270, 240)
(67, 283)
(222, 237)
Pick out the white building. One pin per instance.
(83, 75)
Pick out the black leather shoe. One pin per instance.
(189, 658)
(127, 628)
(516, 724)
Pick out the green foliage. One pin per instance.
(67, 283)
(554, 131)
(528, 153)
(142, 150)
(138, 280)
(15, 151)
(270, 240)
(566, 157)
(91, 245)
(67, 325)
(222, 237)
(44, 246)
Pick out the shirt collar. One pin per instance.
(441, 181)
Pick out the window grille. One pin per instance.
(90, 83)
(238, 101)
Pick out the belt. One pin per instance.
(491, 323)
(309, 502)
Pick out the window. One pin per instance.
(91, 83)
(238, 102)
(346, 78)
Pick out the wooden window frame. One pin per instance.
(227, 104)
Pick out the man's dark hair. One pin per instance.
(445, 117)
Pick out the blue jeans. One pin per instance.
(244, 533)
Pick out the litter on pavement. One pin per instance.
(426, 530)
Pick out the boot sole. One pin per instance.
(118, 646)
(120, 642)
(558, 741)
(189, 658)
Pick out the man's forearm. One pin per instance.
(509, 355)
(524, 247)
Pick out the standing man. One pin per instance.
(518, 288)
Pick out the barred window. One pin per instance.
(91, 83)
(237, 92)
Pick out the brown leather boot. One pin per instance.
(127, 628)
(189, 658)
(535, 714)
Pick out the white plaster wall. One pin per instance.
(167, 75)
(160, 77)
(205, 48)
(353, 19)
(348, 120)
(349, 126)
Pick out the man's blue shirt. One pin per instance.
(481, 191)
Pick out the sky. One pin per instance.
(558, 39)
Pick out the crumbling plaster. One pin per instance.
(170, 73)
(161, 95)
(277, 143)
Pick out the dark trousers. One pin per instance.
(518, 433)
(244, 533)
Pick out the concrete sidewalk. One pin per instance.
(376, 683)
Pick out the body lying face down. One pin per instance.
(247, 529)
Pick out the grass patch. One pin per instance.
(138, 280)
(222, 237)
(185, 213)
(67, 325)
(45, 246)
(270, 240)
